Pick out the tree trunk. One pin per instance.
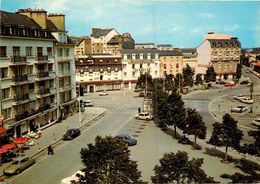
(226, 153)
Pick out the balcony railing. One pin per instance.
(44, 107)
(42, 58)
(42, 74)
(26, 114)
(43, 91)
(19, 60)
(20, 78)
(21, 97)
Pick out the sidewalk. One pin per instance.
(54, 133)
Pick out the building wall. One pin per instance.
(171, 65)
(204, 56)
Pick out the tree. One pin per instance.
(226, 134)
(168, 83)
(177, 167)
(198, 79)
(187, 76)
(143, 80)
(254, 148)
(174, 111)
(210, 74)
(108, 162)
(239, 71)
(178, 80)
(195, 124)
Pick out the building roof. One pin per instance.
(138, 51)
(189, 50)
(51, 26)
(212, 35)
(101, 32)
(164, 45)
(114, 40)
(15, 19)
(222, 43)
(169, 53)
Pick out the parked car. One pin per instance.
(71, 134)
(103, 93)
(246, 100)
(244, 82)
(237, 97)
(86, 103)
(18, 165)
(239, 109)
(130, 141)
(144, 116)
(256, 122)
(184, 140)
(230, 84)
(141, 94)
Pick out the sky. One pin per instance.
(180, 23)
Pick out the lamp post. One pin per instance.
(79, 98)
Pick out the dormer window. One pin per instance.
(101, 61)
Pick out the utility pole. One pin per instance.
(251, 90)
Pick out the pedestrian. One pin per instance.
(139, 110)
(50, 150)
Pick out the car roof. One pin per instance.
(19, 158)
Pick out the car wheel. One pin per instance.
(147, 119)
(18, 171)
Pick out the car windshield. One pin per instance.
(15, 162)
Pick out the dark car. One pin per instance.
(184, 140)
(141, 94)
(127, 139)
(71, 134)
(244, 82)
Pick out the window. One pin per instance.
(16, 51)
(59, 52)
(39, 51)
(177, 65)
(152, 56)
(30, 69)
(28, 51)
(129, 56)
(49, 50)
(5, 93)
(133, 66)
(6, 113)
(66, 52)
(2, 51)
(101, 61)
(137, 56)
(144, 56)
(31, 87)
(141, 65)
(4, 72)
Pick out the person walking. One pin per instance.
(139, 110)
(50, 150)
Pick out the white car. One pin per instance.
(103, 93)
(239, 109)
(256, 122)
(246, 100)
(238, 97)
(86, 103)
(144, 116)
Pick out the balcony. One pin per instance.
(21, 97)
(44, 107)
(42, 76)
(26, 114)
(42, 59)
(20, 79)
(18, 60)
(43, 91)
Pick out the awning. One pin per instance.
(8, 146)
(2, 150)
(20, 140)
(2, 131)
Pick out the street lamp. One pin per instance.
(79, 98)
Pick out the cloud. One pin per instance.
(207, 15)
(231, 28)
(195, 31)
(175, 28)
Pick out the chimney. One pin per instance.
(94, 30)
(58, 20)
(210, 32)
(38, 15)
(233, 38)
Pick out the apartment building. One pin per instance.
(220, 51)
(99, 44)
(98, 72)
(145, 46)
(190, 57)
(30, 94)
(171, 62)
(139, 61)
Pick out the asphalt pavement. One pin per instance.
(53, 134)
